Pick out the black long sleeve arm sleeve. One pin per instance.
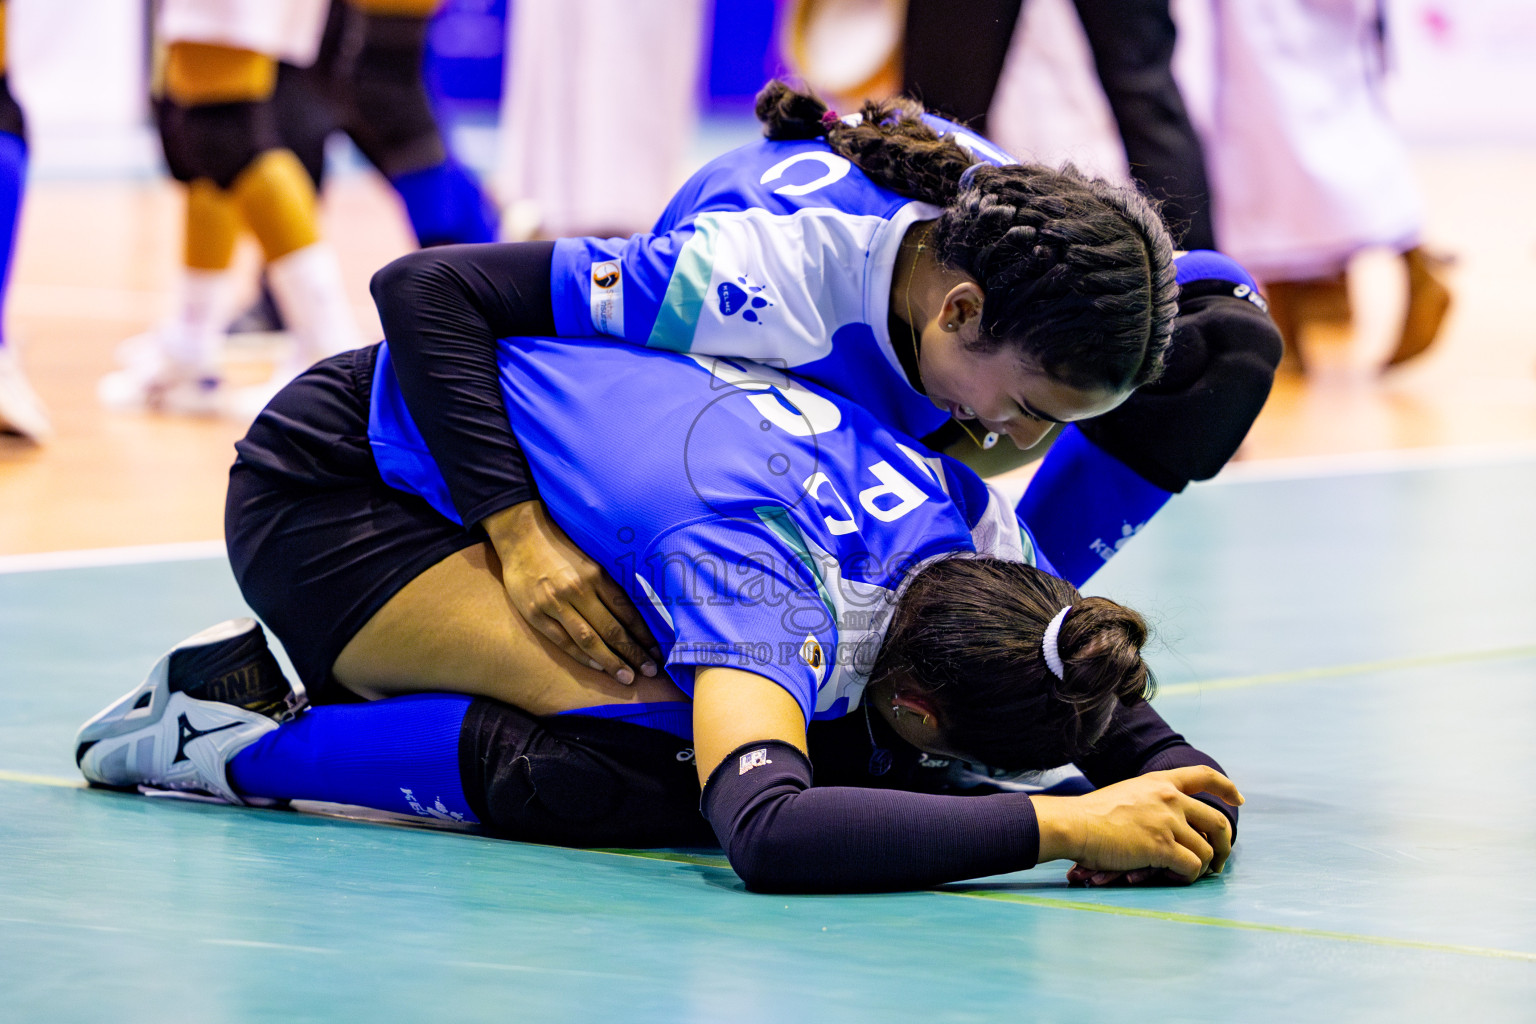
(443, 310)
(1139, 741)
(781, 835)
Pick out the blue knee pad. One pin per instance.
(445, 205)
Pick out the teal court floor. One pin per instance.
(1358, 649)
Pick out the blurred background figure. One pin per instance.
(21, 411)
(367, 81)
(598, 113)
(954, 55)
(221, 139)
(846, 50)
(1310, 168)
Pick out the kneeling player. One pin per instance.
(820, 589)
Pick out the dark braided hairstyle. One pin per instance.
(968, 636)
(1077, 273)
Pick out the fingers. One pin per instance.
(596, 633)
(1204, 779)
(1214, 826)
(1189, 855)
(638, 634)
(573, 618)
(1079, 875)
(551, 629)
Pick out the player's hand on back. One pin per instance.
(1150, 822)
(567, 596)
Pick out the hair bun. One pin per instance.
(790, 114)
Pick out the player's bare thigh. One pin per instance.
(453, 629)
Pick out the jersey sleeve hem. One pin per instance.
(568, 286)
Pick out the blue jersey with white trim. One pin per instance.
(779, 252)
(756, 520)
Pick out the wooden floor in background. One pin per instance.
(97, 264)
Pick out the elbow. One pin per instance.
(761, 871)
(400, 276)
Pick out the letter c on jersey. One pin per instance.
(788, 406)
(892, 484)
(837, 527)
(837, 169)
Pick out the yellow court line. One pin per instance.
(698, 859)
(1155, 915)
(1249, 926)
(717, 861)
(41, 780)
(1308, 674)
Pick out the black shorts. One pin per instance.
(571, 780)
(317, 541)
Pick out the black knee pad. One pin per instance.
(377, 78)
(572, 780)
(215, 140)
(11, 119)
(1186, 425)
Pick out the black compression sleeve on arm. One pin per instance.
(781, 835)
(443, 310)
(1140, 741)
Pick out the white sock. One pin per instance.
(202, 314)
(307, 287)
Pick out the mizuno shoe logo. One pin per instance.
(186, 733)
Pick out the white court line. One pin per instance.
(91, 558)
(1397, 460)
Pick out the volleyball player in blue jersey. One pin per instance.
(894, 259)
(823, 590)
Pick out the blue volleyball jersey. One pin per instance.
(757, 521)
(779, 252)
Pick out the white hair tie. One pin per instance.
(1048, 644)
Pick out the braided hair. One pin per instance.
(1077, 273)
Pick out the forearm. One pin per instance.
(781, 835)
(443, 311)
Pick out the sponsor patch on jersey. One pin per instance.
(810, 653)
(752, 759)
(608, 298)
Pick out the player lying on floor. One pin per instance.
(823, 590)
(891, 257)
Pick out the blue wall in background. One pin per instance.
(742, 52)
(467, 39)
(465, 54)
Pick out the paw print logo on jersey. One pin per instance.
(744, 297)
